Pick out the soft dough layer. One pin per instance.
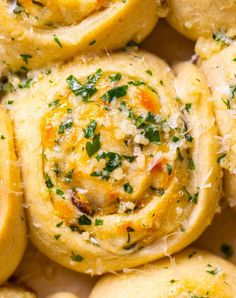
(201, 18)
(13, 292)
(117, 174)
(35, 33)
(220, 71)
(12, 222)
(192, 273)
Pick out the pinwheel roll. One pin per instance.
(13, 292)
(114, 168)
(200, 18)
(220, 71)
(192, 273)
(12, 222)
(34, 33)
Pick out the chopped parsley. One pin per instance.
(115, 93)
(59, 192)
(114, 160)
(191, 164)
(89, 131)
(94, 146)
(169, 169)
(115, 78)
(84, 90)
(58, 225)
(57, 236)
(68, 123)
(84, 220)
(128, 188)
(48, 181)
(69, 175)
(148, 71)
(56, 39)
(26, 57)
(192, 198)
(99, 222)
(54, 103)
(188, 107)
(214, 271)
(76, 258)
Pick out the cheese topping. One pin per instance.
(110, 149)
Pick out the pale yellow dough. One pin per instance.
(13, 292)
(201, 18)
(192, 273)
(220, 71)
(63, 295)
(12, 221)
(167, 221)
(57, 30)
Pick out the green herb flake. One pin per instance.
(57, 236)
(169, 169)
(136, 83)
(26, 57)
(86, 90)
(69, 176)
(94, 146)
(68, 123)
(188, 107)
(76, 258)
(92, 42)
(214, 271)
(148, 71)
(115, 78)
(56, 39)
(192, 164)
(58, 225)
(115, 93)
(128, 188)
(175, 139)
(48, 181)
(188, 137)
(83, 220)
(99, 222)
(89, 131)
(54, 103)
(59, 192)
(152, 134)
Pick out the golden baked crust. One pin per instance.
(201, 18)
(220, 71)
(191, 273)
(12, 222)
(114, 168)
(35, 33)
